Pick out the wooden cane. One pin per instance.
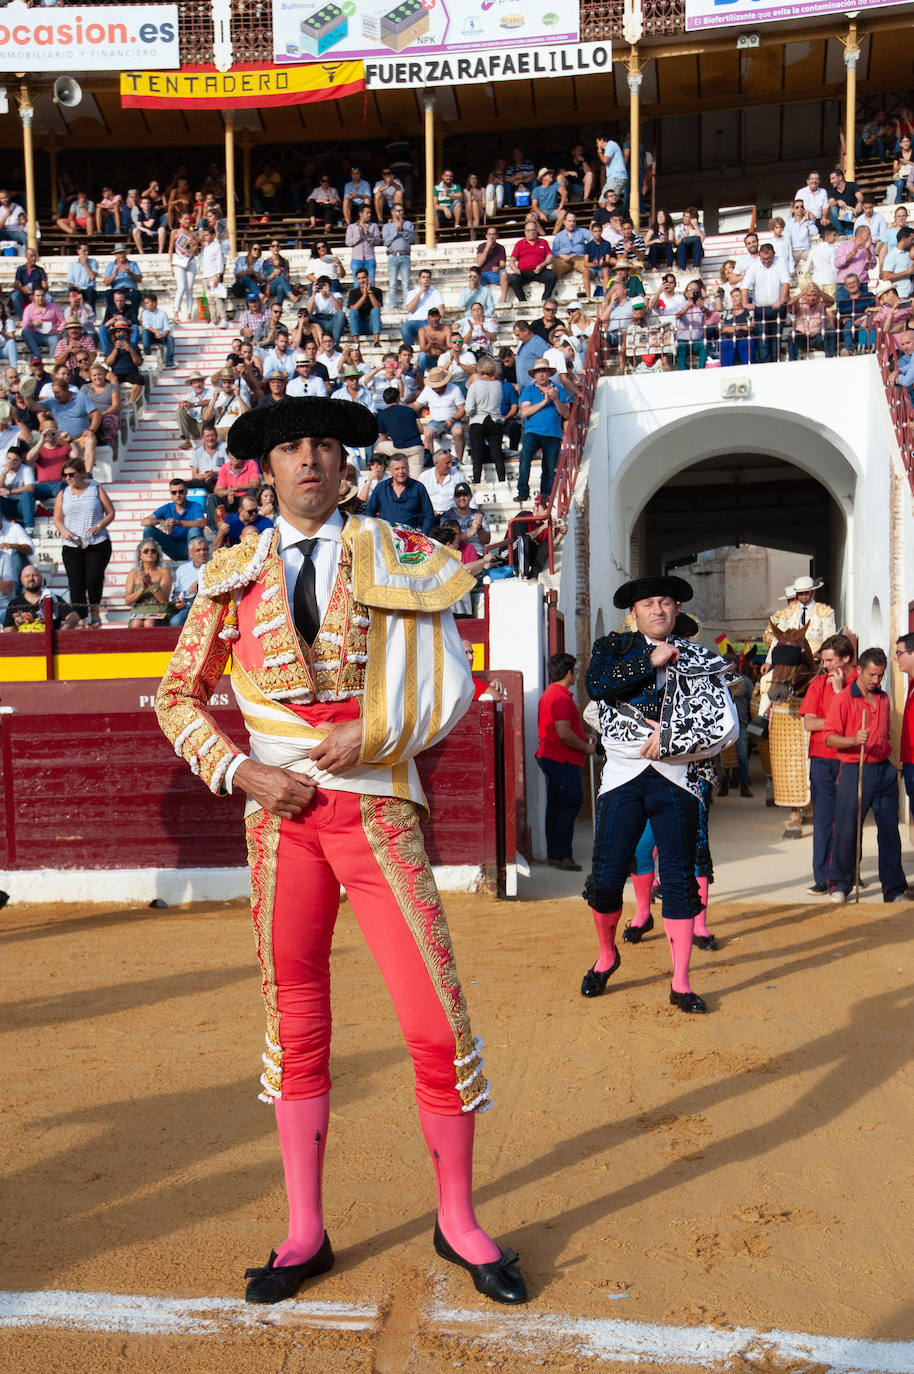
(860, 805)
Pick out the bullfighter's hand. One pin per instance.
(650, 749)
(341, 748)
(278, 791)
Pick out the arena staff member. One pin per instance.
(563, 748)
(334, 800)
(836, 658)
(652, 771)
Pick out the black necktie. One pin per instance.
(304, 599)
(803, 617)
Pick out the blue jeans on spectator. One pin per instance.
(564, 795)
(179, 617)
(879, 793)
(660, 255)
(803, 343)
(549, 446)
(170, 546)
(11, 352)
(279, 288)
(685, 350)
(689, 248)
(843, 226)
(45, 492)
(370, 265)
(768, 333)
(490, 278)
(14, 236)
(358, 325)
(245, 286)
(866, 150)
(409, 331)
(735, 351)
(398, 270)
(35, 342)
(852, 336)
(18, 302)
(149, 343)
(332, 324)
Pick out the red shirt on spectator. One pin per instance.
(819, 696)
(530, 256)
(845, 717)
(557, 703)
(49, 462)
(907, 726)
(249, 476)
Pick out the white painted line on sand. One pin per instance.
(603, 1340)
(150, 1316)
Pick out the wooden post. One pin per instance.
(851, 58)
(52, 161)
(246, 168)
(28, 156)
(230, 181)
(430, 222)
(634, 137)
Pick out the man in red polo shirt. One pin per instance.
(836, 658)
(904, 659)
(530, 261)
(563, 747)
(859, 715)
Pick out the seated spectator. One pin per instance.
(898, 263)
(903, 372)
(441, 480)
(478, 332)
(627, 277)
(820, 263)
(608, 208)
(475, 292)
(870, 218)
(356, 195)
(266, 196)
(187, 578)
(616, 313)
(856, 308)
(845, 202)
(660, 242)
(483, 413)
(401, 500)
(27, 608)
(473, 523)
(147, 233)
(156, 328)
(518, 178)
(74, 344)
(28, 276)
(458, 362)
(207, 458)
(42, 324)
(276, 389)
(434, 338)
(109, 212)
(894, 314)
(766, 287)
(170, 525)
(249, 283)
(83, 273)
(124, 360)
(365, 301)
(124, 275)
(875, 134)
(445, 409)
(377, 471)
(547, 199)
(856, 255)
(474, 203)
(351, 388)
(689, 236)
(569, 251)
(631, 245)
(544, 410)
(305, 329)
(119, 314)
(380, 378)
(276, 274)
(422, 302)
(231, 530)
(531, 261)
(323, 204)
(325, 307)
(266, 503)
(234, 478)
(363, 238)
(448, 200)
(80, 219)
(600, 258)
(399, 432)
(324, 264)
(17, 485)
(815, 200)
(227, 402)
(74, 417)
(148, 587)
(903, 168)
(813, 323)
(562, 355)
(387, 193)
(104, 395)
(409, 376)
(281, 357)
(736, 342)
(307, 381)
(47, 455)
(575, 175)
(189, 414)
(491, 259)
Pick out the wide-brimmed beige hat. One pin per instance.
(436, 376)
(802, 584)
(541, 366)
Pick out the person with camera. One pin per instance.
(125, 361)
(691, 319)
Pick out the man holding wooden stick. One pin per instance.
(857, 726)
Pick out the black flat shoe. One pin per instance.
(633, 935)
(687, 1001)
(594, 984)
(499, 1280)
(705, 941)
(274, 1281)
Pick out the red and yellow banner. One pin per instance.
(242, 88)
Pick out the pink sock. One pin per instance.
(450, 1144)
(643, 883)
(606, 923)
(302, 1125)
(701, 920)
(679, 935)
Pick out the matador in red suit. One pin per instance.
(346, 664)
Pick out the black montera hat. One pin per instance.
(301, 417)
(643, 587)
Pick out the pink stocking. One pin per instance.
(679, 936)
(302, 1125)
(450, 1143)
(643, 884)
(701, 920)
(606, 923)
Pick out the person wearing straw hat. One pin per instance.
(804, 610)
(346, 664)
(664, 711)
(544, 409)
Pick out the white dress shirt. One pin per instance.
(814, 202)
(765, 282)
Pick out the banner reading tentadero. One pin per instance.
(241, 88)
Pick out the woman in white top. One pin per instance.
(183, 247)
(479, 333)
(689, 240)
(212, 265)
(82, 514)
(324, 264)
(483, 415)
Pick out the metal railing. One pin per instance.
(901, 407)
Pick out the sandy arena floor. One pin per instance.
(750, 1168)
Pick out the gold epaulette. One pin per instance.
(230, 569)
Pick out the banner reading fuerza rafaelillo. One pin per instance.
(501, 64)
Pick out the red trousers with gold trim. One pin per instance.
(372, 847)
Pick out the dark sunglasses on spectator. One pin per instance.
(69, 473)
